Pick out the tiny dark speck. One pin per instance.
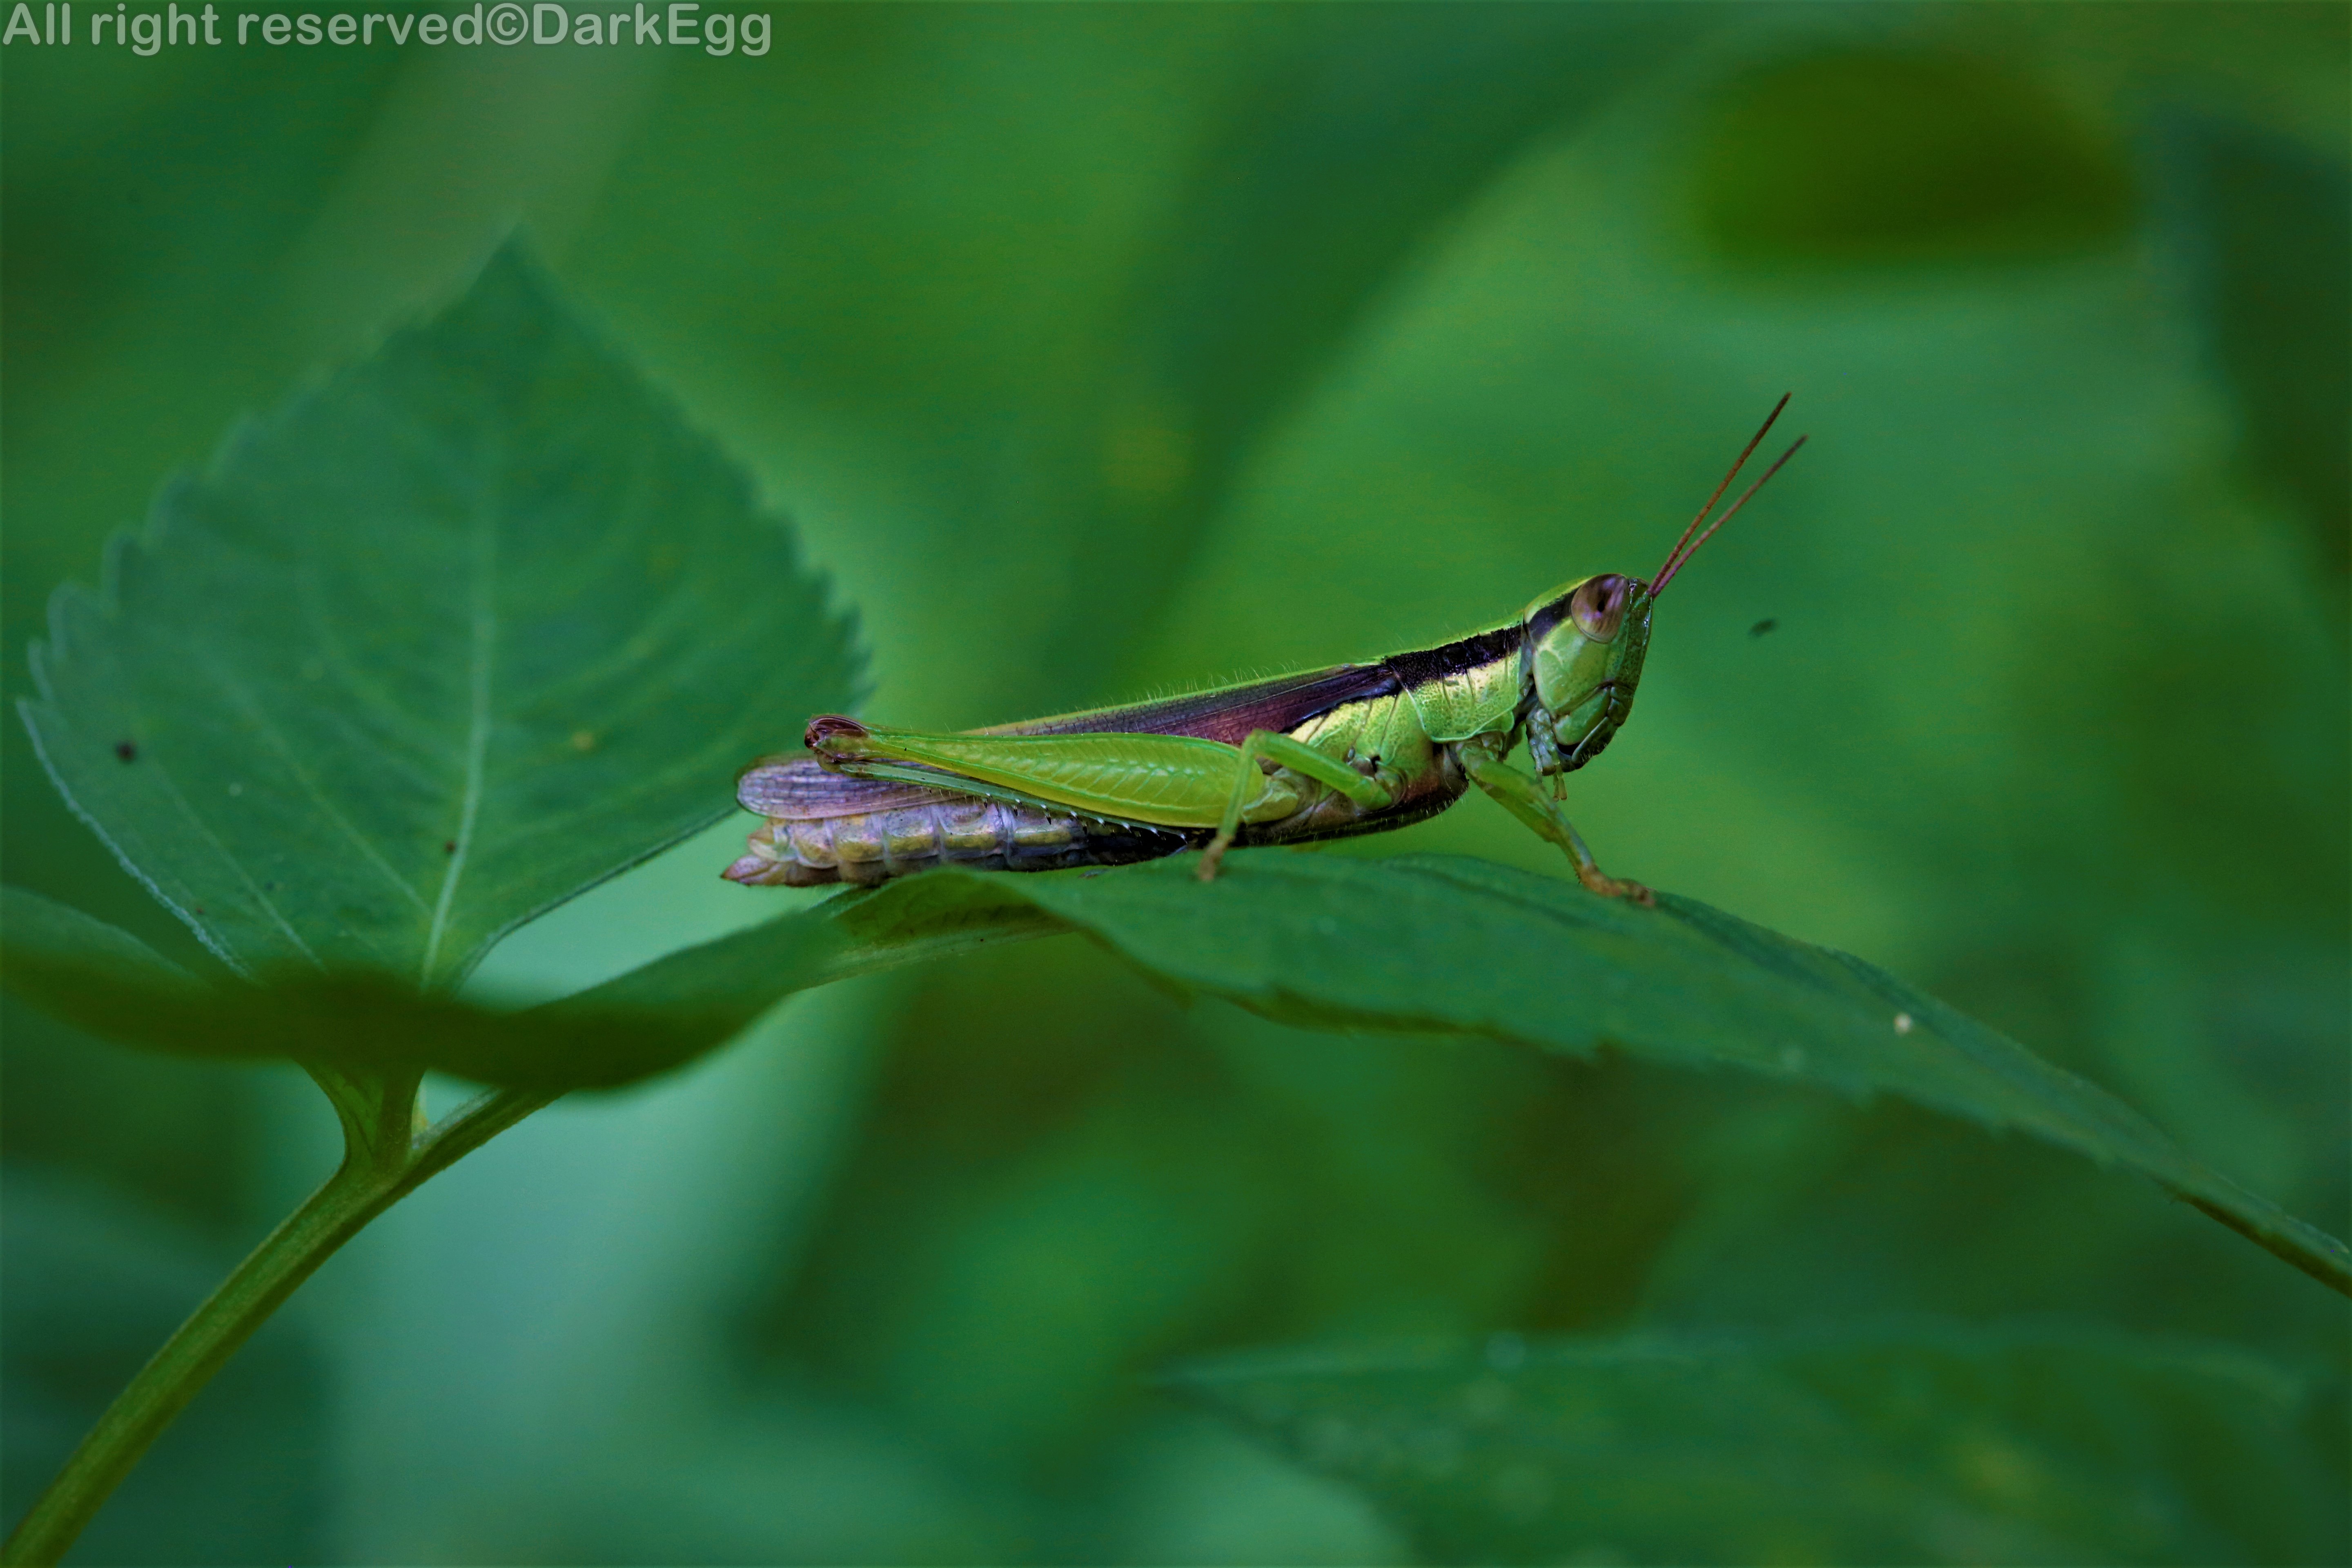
(1760, 627)
(127, 750)
(448, 847)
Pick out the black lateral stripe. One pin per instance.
(1468, 653)
(1282, 703)
(1540, 624)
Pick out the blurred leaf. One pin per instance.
(2265, 227)
(1340, 165)
(436, 646)
(1912, 1444)
(1883, 154)
(100, 978)
(898, 296)
(95, 1283)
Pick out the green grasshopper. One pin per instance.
(1325, 754)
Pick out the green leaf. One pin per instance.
(1436, 943)
(1419, 943)
(474, 625)
(1461, 946)
(677, 1007)
(96, 977)
(1904, 1445)
(647, 1021)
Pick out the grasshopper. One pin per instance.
(1324, 753)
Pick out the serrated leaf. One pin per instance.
(1899, 1444)
(1437, 944)
(472, 626)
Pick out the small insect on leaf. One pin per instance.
(127, 750)
(1767, 624)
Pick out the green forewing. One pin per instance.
(1170, 780)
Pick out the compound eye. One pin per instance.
(1599, 608)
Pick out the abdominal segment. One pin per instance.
(983, 835)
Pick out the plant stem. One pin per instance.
(373, 1176)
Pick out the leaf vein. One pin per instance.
(236, 866)
(234, 687)
(480, 657)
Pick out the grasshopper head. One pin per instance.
(1585, 644)
(1585, 641)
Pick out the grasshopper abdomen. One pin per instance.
(864, 848)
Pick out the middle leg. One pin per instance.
(1288, 751)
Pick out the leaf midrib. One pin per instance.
(481, 653)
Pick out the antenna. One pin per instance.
(1659, 586)
(1678, 556)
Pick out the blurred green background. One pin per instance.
(1105, 349)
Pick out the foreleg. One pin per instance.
(1524, 798)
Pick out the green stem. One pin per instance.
(376, 1174)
